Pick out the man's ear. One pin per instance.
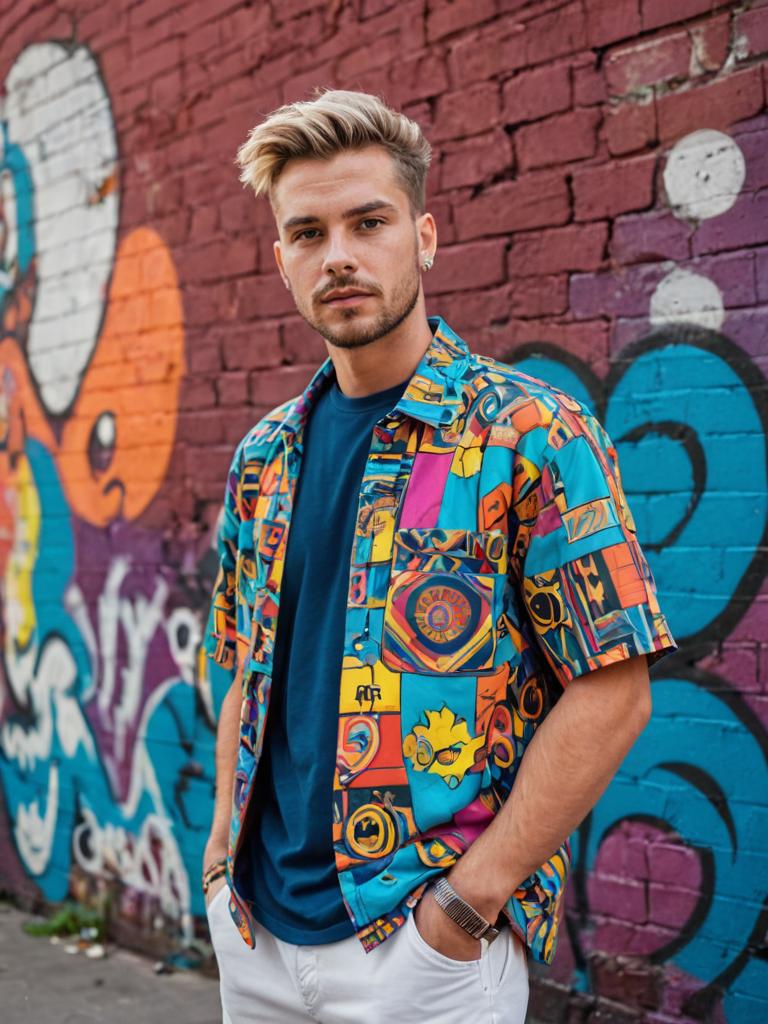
(279, 261)
(426, 233)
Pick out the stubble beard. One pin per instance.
(394, 313)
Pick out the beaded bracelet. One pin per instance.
(215, 870)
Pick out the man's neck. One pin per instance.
(384, 363)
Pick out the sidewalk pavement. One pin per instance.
(42, 984)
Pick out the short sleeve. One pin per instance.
(585, 582)
(221, 631)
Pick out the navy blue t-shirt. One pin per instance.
(288, 849)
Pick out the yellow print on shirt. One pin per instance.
(442, 746)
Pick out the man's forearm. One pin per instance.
(227, 737)
(566, 768)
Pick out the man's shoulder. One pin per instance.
(523, 398)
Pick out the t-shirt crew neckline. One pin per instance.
(387, 399)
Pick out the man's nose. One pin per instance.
(339, 258)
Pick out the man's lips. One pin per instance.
(345, 298)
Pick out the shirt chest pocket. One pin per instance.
(445, 596)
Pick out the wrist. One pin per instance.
(485, 898)
(212, 871)
(217, 845)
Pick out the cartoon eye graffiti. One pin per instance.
(102, 442)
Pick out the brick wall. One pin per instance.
(599, 181)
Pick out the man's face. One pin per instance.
(349, 246)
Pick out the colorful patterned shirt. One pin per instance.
(494, 560)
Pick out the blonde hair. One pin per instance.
(334, 121)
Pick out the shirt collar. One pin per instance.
(434, 392)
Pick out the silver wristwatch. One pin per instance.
(460, 911)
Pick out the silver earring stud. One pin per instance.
(427, 264)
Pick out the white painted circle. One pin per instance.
(686, 298)
(704, 175)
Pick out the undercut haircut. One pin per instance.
(334, 121)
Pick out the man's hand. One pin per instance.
(443, 934)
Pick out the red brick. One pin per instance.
(232, 388)
(200, 426)
(630, 127)
(451, 16)
(239, 422)
(273, 387)
(609, 20)
(467, 112)
(262, 296)
(420, 77)
(718, 105)
(300, 344)
(534, 201)
(442, 210)
(655, 13)
(203, 352)
(558, 140)
(588, 84)
(461, 267)
(483, 55)
(647, 63)
(555, 34)
(466, 311)
(711, 43)
(613, 188)
(539, 296)
(473, 161)
(197, 393)
(365, 57)
(576, 247)
(251, 348)
(166, 91)
(538, 93)
(752, 26)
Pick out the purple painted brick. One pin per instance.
(619, 898)
(754, 146)
(753, 625)
(749, 329)
(737, 663)
(674, 864)
(624, 293)
(733, 273)
(643, 237)
(669, 906)
(761, 274)
(624, 938)
(627, 330)
(746, 223)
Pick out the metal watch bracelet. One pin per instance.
(461, 912)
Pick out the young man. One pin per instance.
(438, 613)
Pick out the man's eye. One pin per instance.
(371, 222)
(307, 234)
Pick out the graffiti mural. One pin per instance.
(687, 410)
(107, 709)
(107, 712)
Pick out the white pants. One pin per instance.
(402, 981)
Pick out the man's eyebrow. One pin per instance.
(373, 205)
(356, 211)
